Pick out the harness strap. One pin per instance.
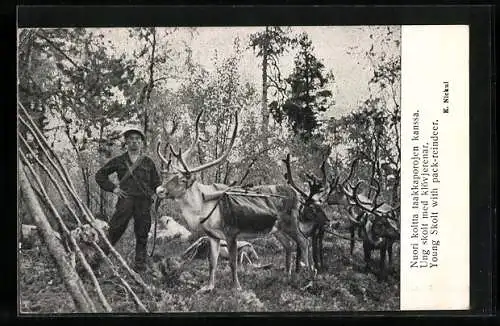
(211, 234)
(211, 212)
(131, 168)
(145, 191)
(215, 206)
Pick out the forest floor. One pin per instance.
(344, 286)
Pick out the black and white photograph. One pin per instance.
(209, 169)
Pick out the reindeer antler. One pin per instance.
(188, 152)
(161, 156)
(346, 180)
(179, 157)
(377, 190)
(289, 178)
(225, 154)
(368, 207)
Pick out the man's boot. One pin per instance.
(140, 257)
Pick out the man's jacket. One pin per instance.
(143, 183)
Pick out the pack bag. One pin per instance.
(250, 211)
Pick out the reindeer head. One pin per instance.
(385, 222)
(182, 177)
(341, 193)
(312, 211)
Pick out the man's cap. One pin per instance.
(131, 130)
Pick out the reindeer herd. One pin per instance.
(295, 217)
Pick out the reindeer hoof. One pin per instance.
(205, 289)
(307, 286)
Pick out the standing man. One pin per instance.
(138, 180)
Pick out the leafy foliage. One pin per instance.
(309, 95)
(372, 132)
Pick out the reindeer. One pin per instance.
(312, 218)
(200, 210)
(380, 230)
(374, 223)
(342, 194)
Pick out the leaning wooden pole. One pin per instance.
(65, 230)
(69, 275)
(69, 185)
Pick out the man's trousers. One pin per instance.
(139, 208)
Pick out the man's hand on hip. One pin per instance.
(119, 192)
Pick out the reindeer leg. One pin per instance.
(297, 259)
(212, 262)
(320, 237)
(233, 260)
(287, 245)
(383, 274)
(368, 252)
(351, 231)
(389, 253)
(315, 244)
(303, 246)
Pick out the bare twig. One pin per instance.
(254, 160)
(46, 39)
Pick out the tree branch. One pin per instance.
(46, 39)
(254, 160)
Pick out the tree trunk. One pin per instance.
(226, 174)
(85, 172)
(80, 162)
(101, 161)
(374, 170)
(216, 178)
(264, 109)
(150, 82)
(395, 189)
(70, 277)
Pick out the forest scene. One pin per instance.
(327, 96)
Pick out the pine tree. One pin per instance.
(309, 94)
(270, 44)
